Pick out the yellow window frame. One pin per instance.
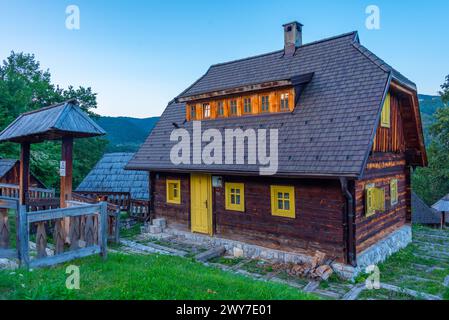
(394, 192)
(174, 191)
(374, 200)
(232, 195)
(275, 200)
(385, 121)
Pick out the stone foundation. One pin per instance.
(373, 255)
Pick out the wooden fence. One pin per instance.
(88, 232)
(12, 191)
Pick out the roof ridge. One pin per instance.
(48, 107)
(281, 50)
(364, 51)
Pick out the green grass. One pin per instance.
(140, 277)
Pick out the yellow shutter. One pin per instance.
(394, 191)
(386, 114)
(370, 202)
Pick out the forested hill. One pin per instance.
(428, 106)
(126, 134)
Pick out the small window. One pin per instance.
(220, 108)
(283, 201)
(233, 107)
(247, 105)
(394, 192)
(374, 200)
(206, 111)
(235, 197)
(386, 113)
(193, 112)
(265, 104)
(174, 191)
(284, 102)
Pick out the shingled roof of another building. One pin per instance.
(422, 213)
(51, 123)
(6, 165)
(330, 131)
(109, 175)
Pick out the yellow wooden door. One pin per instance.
(201, 204)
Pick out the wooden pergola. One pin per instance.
(65, 122)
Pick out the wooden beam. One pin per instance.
(24, 182)
(66, 179)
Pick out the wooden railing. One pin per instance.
(121, 199)
(139, 209)
(12, 191)
(87, 234)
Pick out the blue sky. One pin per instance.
(138, 55)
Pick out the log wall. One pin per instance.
(318, 224)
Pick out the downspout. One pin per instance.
(349, 224)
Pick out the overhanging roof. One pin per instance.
(65, 119)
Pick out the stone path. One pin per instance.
(431, 245)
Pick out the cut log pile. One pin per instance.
(317, 269)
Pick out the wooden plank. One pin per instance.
(8, 203)
(45, 215)
(23, 238)
(64, 257)
(66, 180)
(4, 229)
(41, 240)
(102, 230)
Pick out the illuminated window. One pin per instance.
(284, 102)
(265, 104)
(193, 112)
(220, 108)
(235, 197)
(386, 113)
(283, 201)
(206, 111)
(174, 191)
(247, 105)
(233, 107)
(394, 191)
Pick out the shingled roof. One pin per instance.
(109, 175)
(422, 213)
(51, 123)
(331, 129)
(6, 165)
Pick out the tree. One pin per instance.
(24, 86)
(432, 183)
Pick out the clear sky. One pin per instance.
(139, 54)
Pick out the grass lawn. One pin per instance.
(141, 277)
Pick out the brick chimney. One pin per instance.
(292, 37)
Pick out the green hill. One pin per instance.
(126, 134)
(428, 105)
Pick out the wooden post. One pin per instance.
(102, 230)
(4, 229)
(23, 237)
(21, 216)
(66, 179)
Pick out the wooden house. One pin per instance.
(9, 181)
(109, 180)
(349, 133)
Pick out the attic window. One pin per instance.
(233, 107)
(220, 109)
(193, 112)
(284, 102)
(265, 104)
(247, 108)
(386, 113)
(206, 111)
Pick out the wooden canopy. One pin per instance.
(55, 122)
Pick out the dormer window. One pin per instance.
(233, 107)
(284, 103)
(220, 109)
(247, 105)
(206, 111)
(265, 103)
(193, 112)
